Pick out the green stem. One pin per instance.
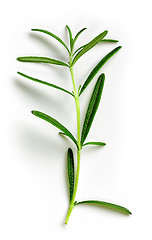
(69, 213)
(77, 103)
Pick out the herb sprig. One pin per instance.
(74, 55)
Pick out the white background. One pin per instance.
(33, 184)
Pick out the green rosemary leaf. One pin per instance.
(79, 49)
(45, 83)
(109, 40)
(89, 46)
(64, 134)
(52, 35)
(103, 40)
(70, 35)
(55, 123)
(93, 106)
(70, 163)
(106, 204)
(34, 59)
(77, 35)
(98, 67)
(94, 143)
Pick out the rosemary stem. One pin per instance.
(77, 103)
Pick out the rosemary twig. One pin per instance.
(74, 55)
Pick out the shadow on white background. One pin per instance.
(33, 182)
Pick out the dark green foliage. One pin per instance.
(33, 59)
(70, 36)
(106, 204)
(89, 46)
(103, 40)
(45, 83)
(97, 68)
(93, 106)
(109, 40)
(52, 35)
(56, 124)
(78, 49)
(91, 110)
(95, 143)
(65, 134)
(70, 163)
(77, 35)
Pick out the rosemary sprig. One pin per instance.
(74, 55)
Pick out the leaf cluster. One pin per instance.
(74, 56)
(94, 101)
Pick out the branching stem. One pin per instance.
(77, 103)
(73, 173)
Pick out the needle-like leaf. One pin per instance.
(45, 83)
(64, 134)
(33, 59)
(105, 204)
(70, 163)
(93, 106)
(89, 46)
(52, 35)
(55, 123)
(70, 36)
(78, 34)
(94, 143)
(109, 40)
(78, 49)
(103, 40)
(98, 67)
